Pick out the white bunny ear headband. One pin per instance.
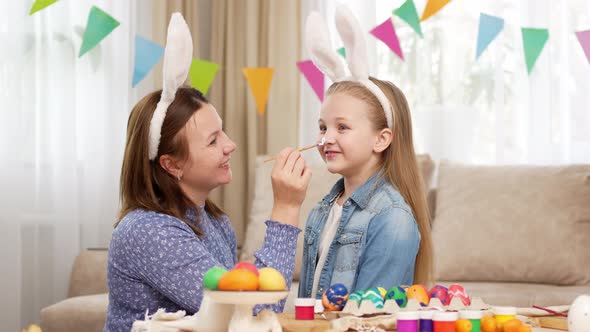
(178, 55)
(331, 64)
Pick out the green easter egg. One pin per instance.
(373, 295)
(212, 276)
(356, 296)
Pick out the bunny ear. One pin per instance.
(177, 55)
(177, 60)
(320, 47)
(354, 42)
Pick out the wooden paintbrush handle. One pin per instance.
(300, 150)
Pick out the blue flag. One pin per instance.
(147, 54)
(489, 29)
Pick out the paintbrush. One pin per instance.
(321, 143)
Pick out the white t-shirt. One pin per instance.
(325, 241)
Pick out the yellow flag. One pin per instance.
(432, 7)
(33, 328)
(259, 80)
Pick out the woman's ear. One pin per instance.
(383, 140)
(171, 165)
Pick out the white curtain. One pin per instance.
(61, 142)
(485, 111)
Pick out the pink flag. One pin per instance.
(584, 39)
(386, 33)
(314, 76)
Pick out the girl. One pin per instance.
(169, 233)
(373, 228)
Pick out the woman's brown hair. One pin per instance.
(399, 162)
(144, 184)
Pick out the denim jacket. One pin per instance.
(375, 244)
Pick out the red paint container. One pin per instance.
(304, 308)
(445, 321)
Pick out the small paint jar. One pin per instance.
(407, 321)
(445, 321)
(304, 308)
(426, 320)
(474, 316)
(503, 314)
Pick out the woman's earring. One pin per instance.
(178, 176)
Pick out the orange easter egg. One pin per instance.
(512, 325)
(524, 328)
(420, 293)
(488, 324)
(238, 280)
(463, 325)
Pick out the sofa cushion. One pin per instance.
(89, 273)
(513, 224)
(81, 313)
(321, 182)
(522, 295)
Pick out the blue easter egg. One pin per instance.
(335, 297)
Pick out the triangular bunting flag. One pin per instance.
(533, 41)
(386, 33)
(314, 76)
(584, 39)
(259, 80)
(432, 7)
(202, 74)
(342, 51)
(408, 13)
(40, 4)
(147, 54)
(489, 28)
(99, 25)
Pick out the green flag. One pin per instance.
(533, 41)
(99, 25)
(40, 4)
(202, 74)
(408, 13)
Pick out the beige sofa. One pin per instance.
(515, 235)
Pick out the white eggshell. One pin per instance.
(579, 314)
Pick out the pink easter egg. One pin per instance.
(456, 290)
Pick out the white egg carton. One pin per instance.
(391, 307)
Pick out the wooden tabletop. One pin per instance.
(319, 324)
(290, 324)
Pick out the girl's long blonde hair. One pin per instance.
(399, 162)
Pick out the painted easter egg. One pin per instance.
(373, 295)
(420, 293)
(335, 297)
(456, 290)
(212, 276)
(398, 294)
(246, 266)
(440, 292)
(270, 279)
(356, 296)
(238, 280)
(382, 291)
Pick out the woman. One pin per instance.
(169, 233)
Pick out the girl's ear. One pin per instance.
(383, 140)
(171, 165)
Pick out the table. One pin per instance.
(290, 324)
